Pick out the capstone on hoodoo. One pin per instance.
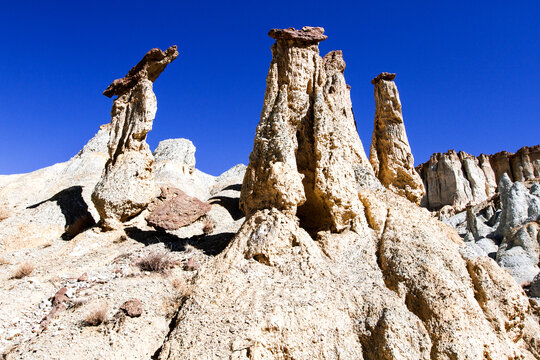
(127, 184)
(390, 153)
(306, 145)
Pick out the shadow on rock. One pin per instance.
(210, 244)
(74, 209)
(232, 205)
(236, 187)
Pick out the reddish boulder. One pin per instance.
(132, 308)
(174, 209)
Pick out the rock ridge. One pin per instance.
(458, 179)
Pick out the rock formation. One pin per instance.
(127, 185)
(52, 202)
(174, 209)
(393, 286)
(459, 179)
(390, 153)
(306, 146)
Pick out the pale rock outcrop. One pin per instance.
(395, 286)
(390, 153)
(306, 146)
(445, 181)
(448, 181)
(505, 228)
(181, 150)
(519, 226)
(175, 166)
(522, 166)
(52, 202)
(127, 184)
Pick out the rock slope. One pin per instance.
(127, 185)
(393, 286)
(390, 153)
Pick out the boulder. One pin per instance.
(390, 153)
(127, 184)
(174, 209)
(132, 308)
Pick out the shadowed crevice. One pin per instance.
(210, 245)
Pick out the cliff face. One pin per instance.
(459, 179)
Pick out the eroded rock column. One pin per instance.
(390, 153)
(306, 145)
(127, 184)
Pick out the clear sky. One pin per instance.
(468, 71)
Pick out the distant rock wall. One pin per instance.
(459, 179)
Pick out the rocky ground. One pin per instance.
(101, 270)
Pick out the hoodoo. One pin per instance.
(127, 184)
(306, 146)
(390, 153)
(376, 279)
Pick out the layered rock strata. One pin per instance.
(394, 286)
(127, 184)
(390, 153)
(459, 179)
(306, 145)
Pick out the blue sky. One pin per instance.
(467, 71)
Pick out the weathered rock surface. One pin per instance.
(390, 153)
(458, 179)
(127, 185)
(306, 146)
(175, 166)
(52, 202)
(519, 227)
(174, 209)
(395, 286)
(505, 229)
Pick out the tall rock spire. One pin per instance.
(390, 153)
(306, 146)
(127, 184)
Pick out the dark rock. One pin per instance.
(150, 67)
(383, 76)
(174, 209)
(307, 35)
(132, 308)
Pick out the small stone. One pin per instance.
(83, 277)
(132, 308)
(191, 265)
